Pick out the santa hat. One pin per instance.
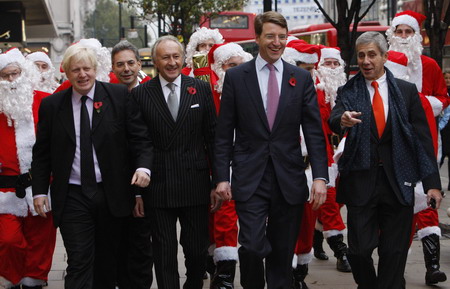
(410, 18)
(397, 63)
(223, 52)
(91, 43)
(331, 52)
(302, 51)
(13, 55)
(290, 38)
(39, 56)
(202, 34)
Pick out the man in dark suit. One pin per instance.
(264, 102)
(89, 163)
(181, 117)
(388, 149)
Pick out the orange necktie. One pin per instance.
(378, 110)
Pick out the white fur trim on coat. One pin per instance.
(436, 104)
(303, 259)
(427, 231)
(31, 282)
(225, 253)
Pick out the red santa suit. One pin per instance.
(27, 241)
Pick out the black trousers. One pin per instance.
(136, 254)
(91, 236)
(384, 224)
(268, 229)
(193, 238)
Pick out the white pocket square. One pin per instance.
(195, 105)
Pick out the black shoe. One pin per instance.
(31, 287)
(15, 287)
(319, 253)
(224, 276)
(342, 264)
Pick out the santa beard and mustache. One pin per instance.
(48, 82)
(16, 99)
(411, 47)
(330, 80)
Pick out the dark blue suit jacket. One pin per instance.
(242, 113)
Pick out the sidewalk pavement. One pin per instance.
(322, 274)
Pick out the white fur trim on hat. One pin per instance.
(330, 52)
(291, 56)
(225, 253)
(306, 258)
(406, 19)
(226, 51)
(427, 231)
(11, 56)
(91, 43)
(39, 56)
(396, 68)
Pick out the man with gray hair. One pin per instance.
(388, 150)
(180, 114)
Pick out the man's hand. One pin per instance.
(138, 211)
(140, 179)
(350, 118)
(318, 194)
(436, 195)
(40, 205)
(224, 191)
(216, 201)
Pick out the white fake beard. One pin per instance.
(16, 99)
(48, 82)
(410, 46)
(221, 77)
(330, 80)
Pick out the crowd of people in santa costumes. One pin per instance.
(223, 228)
(327, 69)
(404, 36)
(27, 241)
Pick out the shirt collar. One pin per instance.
(164, 82)
(260, 63)
(90, 94)
(381, 80)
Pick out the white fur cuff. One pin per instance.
(225, 253)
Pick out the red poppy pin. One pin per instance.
(292, 81)
(192, 90)
(98, 105)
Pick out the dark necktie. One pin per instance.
(378, 109)
(172, 101)
(273, 96)
(88, 180)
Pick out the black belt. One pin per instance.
(19, 182)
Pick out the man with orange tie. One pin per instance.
(388, 150)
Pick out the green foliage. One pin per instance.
(180, 17)
(103, 23)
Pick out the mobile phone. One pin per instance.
(433, 203)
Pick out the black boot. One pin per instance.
(15, 287)
(340, 252)
(299, 275)
(224, 276)
(319, 253)
(31, 287)
(431, 253)
(210, 267)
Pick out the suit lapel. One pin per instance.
(102, 102)
(252, 84)
(66, 115)
(286, 92)
(154, 90)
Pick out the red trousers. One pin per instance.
(329, 214)
(223, 226)
(423, 219)
(26, 246)
(305, 236)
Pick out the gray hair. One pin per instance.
(166, 38)
(373, 37)
(124, 45)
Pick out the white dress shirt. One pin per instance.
(384, 92)
(262, 72)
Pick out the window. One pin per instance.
(229, 21)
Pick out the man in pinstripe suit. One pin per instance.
(180, 114)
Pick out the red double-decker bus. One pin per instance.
(233, 25)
